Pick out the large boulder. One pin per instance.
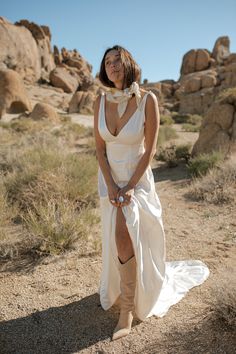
(19, 51)
(204, 75)
(42, 36)
(76, 66)
(62, 77)
(218, 130)
(195, 60)
(13, 96)
(221, 49)
(82, 102)
(44, 111)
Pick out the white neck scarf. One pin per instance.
(122, 96)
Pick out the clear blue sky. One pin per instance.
(157, 33)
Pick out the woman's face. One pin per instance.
(113, 66)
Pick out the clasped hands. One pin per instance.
(120, 196)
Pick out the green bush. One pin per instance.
(193, 119)
(168, 155)
(166, 133)
(190, 128)
(180, 118)
(166, 120)
(183, 152)
(217, 186)
(174, 154)
(200, 165)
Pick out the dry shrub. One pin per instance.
(201, 164)
(224, 305)
(165, 134)
(57, 225)
(217, 186)
(187, 127)
(48, 194)
(165, 119)
(173, 154)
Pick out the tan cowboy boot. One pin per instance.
(127, 287)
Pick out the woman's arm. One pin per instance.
(101, 148)
(151, 130)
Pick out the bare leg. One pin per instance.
(123, 241)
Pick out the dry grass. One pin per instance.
(165, 134)
(166, 120)
(224, 307)
(217, 186)
(173, 154)
(198, 166)
(48, 194)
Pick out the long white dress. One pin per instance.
(160, 284)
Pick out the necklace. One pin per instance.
(123, 96)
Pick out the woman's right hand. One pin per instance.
(113, 194)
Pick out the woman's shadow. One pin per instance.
(65, 329)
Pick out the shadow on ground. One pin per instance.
(208, 336)
(164, 173)
(66, 329)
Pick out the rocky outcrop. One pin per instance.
(42, 36)
(63, 78)
(76, 72)
(44, 111)
(195, 60)
(218, 130)
(26, 48)
(204, 75)
(82, 102)
(13, 96)
(221, 49)
(19, 51)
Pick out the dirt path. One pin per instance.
(52, 306)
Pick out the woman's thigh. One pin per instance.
(121, 228)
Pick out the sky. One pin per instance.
(156, 33)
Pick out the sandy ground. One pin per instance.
(51, 305)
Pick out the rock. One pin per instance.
(195, 60)
(231, 59)
(212, 139)
(196, 102)
(221, 114)
(19, 51)
(44, 111)
(13, 96)
(218, 130)
(202, 60)
(62, 78)
(57, 55)
(208, 81)
(193, 85)
(221, 49)
(42, 36)
(82, 102)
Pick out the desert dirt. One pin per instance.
(51, 305)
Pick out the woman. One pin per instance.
(126, 124)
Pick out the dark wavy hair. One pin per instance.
(132, 71)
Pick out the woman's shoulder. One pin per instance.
(149, 97)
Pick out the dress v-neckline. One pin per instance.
(130, 118)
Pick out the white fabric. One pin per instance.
(160, 284)
(122, 97)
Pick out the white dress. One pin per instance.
(160, 284)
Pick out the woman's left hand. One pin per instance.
(125, 192)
